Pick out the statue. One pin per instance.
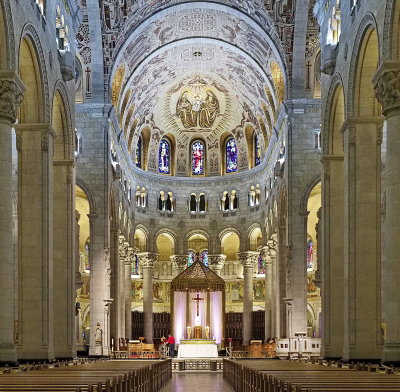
(98, 335)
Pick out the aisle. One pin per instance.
(201, 382)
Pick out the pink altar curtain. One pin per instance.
(216, 316)
(179, 316)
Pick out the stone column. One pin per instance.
(266, 257)
(11, 93)
(35, 240)
(63, 258)
(387, 88)
(248, 260)
(332, 256)
(115, 310)
(123, 258)
(362, 241)
(100, 281)
(147, 261)
(216, 263)
(179, 263)
(272, 245)
(129, 260)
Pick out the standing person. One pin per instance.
(171, 343)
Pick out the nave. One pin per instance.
(197, 382)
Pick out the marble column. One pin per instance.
(129, 260)
(265, 255)
(11, 94)
(147, 261)
(115, 311)
(35, 241)
(179, 263)
(216, 263)
(362, 237)
(123, 259)
(248, 260)
(387, 89)
(272, 245)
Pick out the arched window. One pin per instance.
(161, 201)
(198, 158)
(204, 257)
(138, 154)
(191, 258)
(135, 266)
(231, 156)
(202, 203)
(193, 203)
(169, 204)
(164, 157)
(257, 150)
(261, 265)
(310, 253)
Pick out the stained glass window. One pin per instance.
(164, 157)
(261, 265)
(257, 151)
(231, 156)
(191, 258)
(135, 266)
(138, 157)
(204, 257)
(198, 155)
(310, 254)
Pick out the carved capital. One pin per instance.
(265, 254)
(248, 259)
(216, 261)
(11, 94)
(387, 86)
(147, 259)
(179, 261)
(122, 248)
(130, 256)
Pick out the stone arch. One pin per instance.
(171, 238)
(334, 111)
(60, 97)
(7, 43)
(254, 232)
(31, 57)
(89, 194)
(311, 183)
(171, 233)
(366, 40)
(223, 236)
(391, 32)
(141, 238)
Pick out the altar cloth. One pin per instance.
(197, 351)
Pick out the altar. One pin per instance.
(197, 312)
(197, 348)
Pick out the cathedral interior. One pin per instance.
(253, 141)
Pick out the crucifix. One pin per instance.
(198, 303)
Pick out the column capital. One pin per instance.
(387, 85)
(248, 259)
(179, 261)
(216, 261)
(265, 254)
(147, 259)
(11, 94)
(130, 255)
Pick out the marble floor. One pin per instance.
(201, 382)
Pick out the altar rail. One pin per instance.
(197, 364)
(293, 348)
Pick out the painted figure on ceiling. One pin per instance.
(209, 110)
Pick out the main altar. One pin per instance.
(197, 309)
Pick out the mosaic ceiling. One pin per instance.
(197, 68)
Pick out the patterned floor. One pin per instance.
(201, 382)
